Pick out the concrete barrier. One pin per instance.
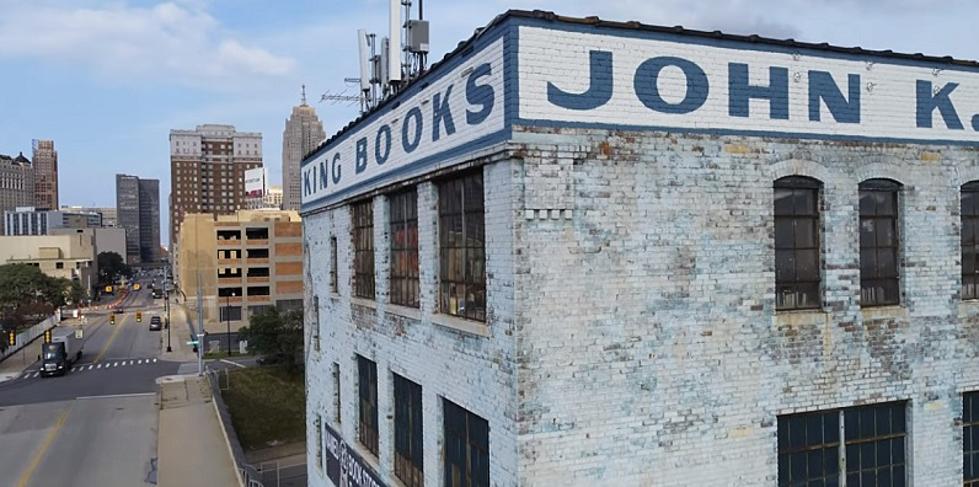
(29, 335)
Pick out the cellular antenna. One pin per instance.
(394, 42)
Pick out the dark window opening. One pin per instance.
(970, 439)
(797, 260)
(363, 235)
(258, 253)
(466, 447)
(257, 272)
(336, 393)
(258, 290)
(970, 240)
(227, 292)
(257, 233)
(367, 385)
(404, 248)
(230, 313)
(333, 265)
(229, 272)
(812, 448)
(462, 256)
(408, 444)
(879, 243)
(229, 234)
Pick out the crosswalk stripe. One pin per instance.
(154, 361)
(99, 366)
(90, 367)
(139, 362)
(36, 374)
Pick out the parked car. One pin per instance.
(156, 324)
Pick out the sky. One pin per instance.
(108, 79)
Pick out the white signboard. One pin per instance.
(614, 80)
(255, 182)
(458, 110)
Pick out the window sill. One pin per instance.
(890, 311)
(968, 308)
(404, 311)
(801, 317)
(462, 325)
(367, 303)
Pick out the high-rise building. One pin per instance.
(138, 210)
(303, 133)
(108, 214)
(27, 220)
(45, 175)
(16, 183)
(207, 171)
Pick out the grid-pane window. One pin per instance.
(462, 258)
(367, 385)
(363, 227)
(408, 446)
(879, 242)
(970, 439)
(333, 265)
(809, 449)
(970, 240)
(797, 280)
(404, 248)
(872, 444)
(875, 440)
(466, 447)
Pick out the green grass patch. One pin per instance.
(267, 406)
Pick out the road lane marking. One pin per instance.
(112, 338)
(115, 364)
(135, 394)
(99, 366)
(25, 477)
(36, 374)
(154, 361)
(90, 367)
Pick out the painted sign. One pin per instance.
(344, 467)
(460, 110)
(576, 78)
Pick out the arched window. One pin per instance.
(970, 239)
(879, 243)
(797, 262)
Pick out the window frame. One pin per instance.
(334, 284)
(404, 282)
(797, 287)
(362, 235)
(969, 239)
(468, 421)
(970, 447)
(367, 425)
(409, 452)
(867, 283)
(461, 262)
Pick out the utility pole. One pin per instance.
(166, 304)
(200, 327)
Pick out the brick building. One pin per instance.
(580, 252)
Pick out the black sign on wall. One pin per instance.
(344, 467)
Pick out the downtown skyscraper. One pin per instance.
(138, 209)
(45, 174)
(302, 134)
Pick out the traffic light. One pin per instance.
(47, 336)
(11, 338)
(112, 319)
(139, 317)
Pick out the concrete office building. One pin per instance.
(106, 239)
(16, 182)
(243, 263)
(207, 171)
(45, 174)
(138, 209)
(580, 252)
(108, 214)
(302, 134)
(27, 220)
(70, 256)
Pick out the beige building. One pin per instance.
(68, 256)
(16, 183)
(302, 134)
(244, 263)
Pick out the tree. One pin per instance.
(26, 293)
(112, 267)
(278, 337)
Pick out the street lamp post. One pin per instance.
(166, 304)
(227, 316)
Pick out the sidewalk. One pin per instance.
(192, 448)
(180, 334)
(15, 364)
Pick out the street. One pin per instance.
(96, 425)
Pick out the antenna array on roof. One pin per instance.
(389, 63)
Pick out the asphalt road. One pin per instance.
(97, 424)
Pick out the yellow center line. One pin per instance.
(112, 337)
(42, 450)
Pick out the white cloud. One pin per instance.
(178, 42)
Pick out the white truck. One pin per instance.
(61, 352)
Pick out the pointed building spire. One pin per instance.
(304, 94)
